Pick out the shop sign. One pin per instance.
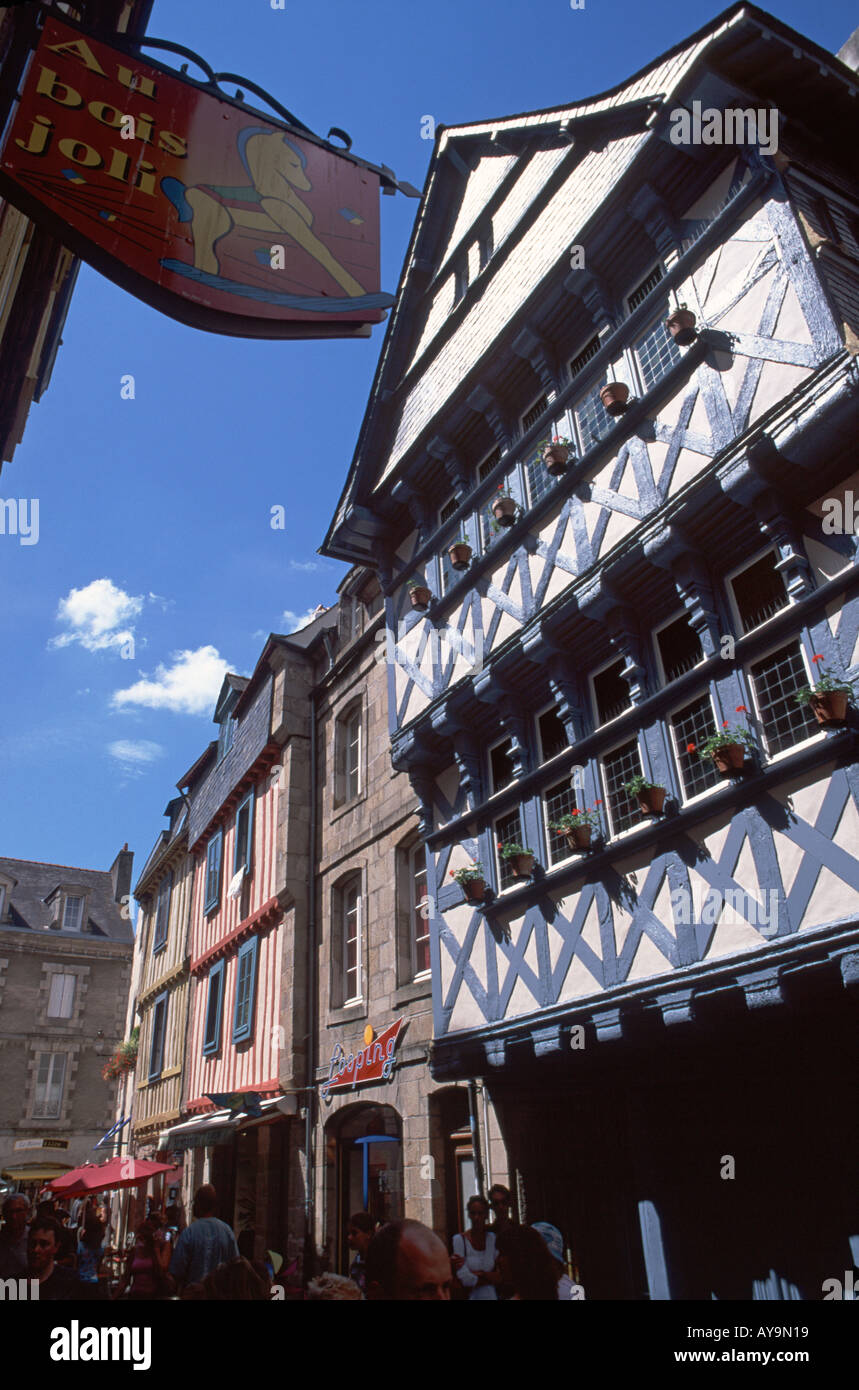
(41, 1144)
(375, 1061)
(192, 200)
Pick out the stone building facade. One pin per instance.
(657, 1006)
(65, 962)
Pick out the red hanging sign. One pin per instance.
(375, 1062)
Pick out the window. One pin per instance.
(214, 1010)
(533, 414)
(621, 766)
(352, 944)
(162, 913)
(649, 283)
(679, 648)
(159, 1031)
(50, 1079)
(590, 417)
(508, 830)
(225, 736)
(611, 692)
(759, 592)
(584, 357)
(62, 997)
(244, 835)
(775, 681)
(243, 1014)
(353, 756)
(557, 801)
(501, 771)
(420, 917)
(656, 352)
(213, 871)
(553, 735)
(693, 724)
(73, 914)
(449, 575)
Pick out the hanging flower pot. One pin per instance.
(578, 827)
(460, 555)
(681, 326)
(650, 798)
(730, 757)
(579, 837)
(523, 865)
(614, 397)
(504, 510)
(556, 455)
(474, 889)
(419, 596)
(830, 707)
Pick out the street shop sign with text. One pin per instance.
(375, 1061)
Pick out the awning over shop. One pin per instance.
(220, 1127)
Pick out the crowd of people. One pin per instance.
(66, 1251)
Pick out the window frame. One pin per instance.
(158, 1039)
(818, 734)
(38, 1111)
(54, 977)
(352, 883)
(728, 581)
(249, 802)
(552, 706)
(660, 665)
(212, 1044)
(213, 901)
(672, 744)
(550, 835)
(598, 721)
(417, 854)
(613, 833)
(73, 898)
(161, 929)
(248, 950)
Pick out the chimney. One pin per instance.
(120, 873)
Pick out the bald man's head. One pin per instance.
(406, 1261)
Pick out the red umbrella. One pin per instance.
(99, 1177)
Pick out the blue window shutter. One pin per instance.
(159, 1029)
(212, 1035)
(243, 859)
(243, 1014)
(162, 911)
(213, 871)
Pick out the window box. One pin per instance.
(614, 397)
(681, 326)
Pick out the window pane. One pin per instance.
(73, 914)
(611, 693)
(620, 767)
(553, 735)
(507, 830)
(501, 766)
(351, 942)
(420, 912)
(591, 418)
(62, 996)
(693, 724)
(353, 756)
(679, 648)
(649, 283)
(540, 480)
(656, 352)
(215, 984)
(558, 801)
(776, 679)
(759, 592)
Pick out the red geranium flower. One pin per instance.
(741, 709)
(690, 748)
(598, 803)
(574, 813)
(817, 658)
(724, 723)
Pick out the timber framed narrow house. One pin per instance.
(658, 1004)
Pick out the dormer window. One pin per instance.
(68, 907)
(225, 736)
(73, 911)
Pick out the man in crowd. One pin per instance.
(406, 1262)
(499, 1201)
(205, 1244)
(13, 1237)
(44, 1247)
(359, 1235)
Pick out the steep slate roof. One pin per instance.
(486, 152)
(36, 881)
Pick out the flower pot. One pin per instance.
(729, 758)
(830, 707)
(578, 837)
(504, 511)
(420, 597)
(474, 889)
(555, 457)
(681, 326)
(651, 800)
(522, 865)
(460, 555)
(614, 397)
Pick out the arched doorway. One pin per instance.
(365, 1170)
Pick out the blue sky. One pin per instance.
(155, 512)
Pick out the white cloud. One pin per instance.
(306, 565)
(190, 686)
(135, 754)
(296, 621)
(100, 616)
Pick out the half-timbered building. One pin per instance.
(665, 278)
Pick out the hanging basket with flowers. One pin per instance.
(829, 696)
(556, 454)
(124, 1058)
(518, 856)
(727, 748)
(420, 596)
(650, 797)
(503, 507)
(578, 827)
(472, 881)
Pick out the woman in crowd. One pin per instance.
(90, 1254)
(474, 1255)
(147, 1263)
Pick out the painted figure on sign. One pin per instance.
(271, 204)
